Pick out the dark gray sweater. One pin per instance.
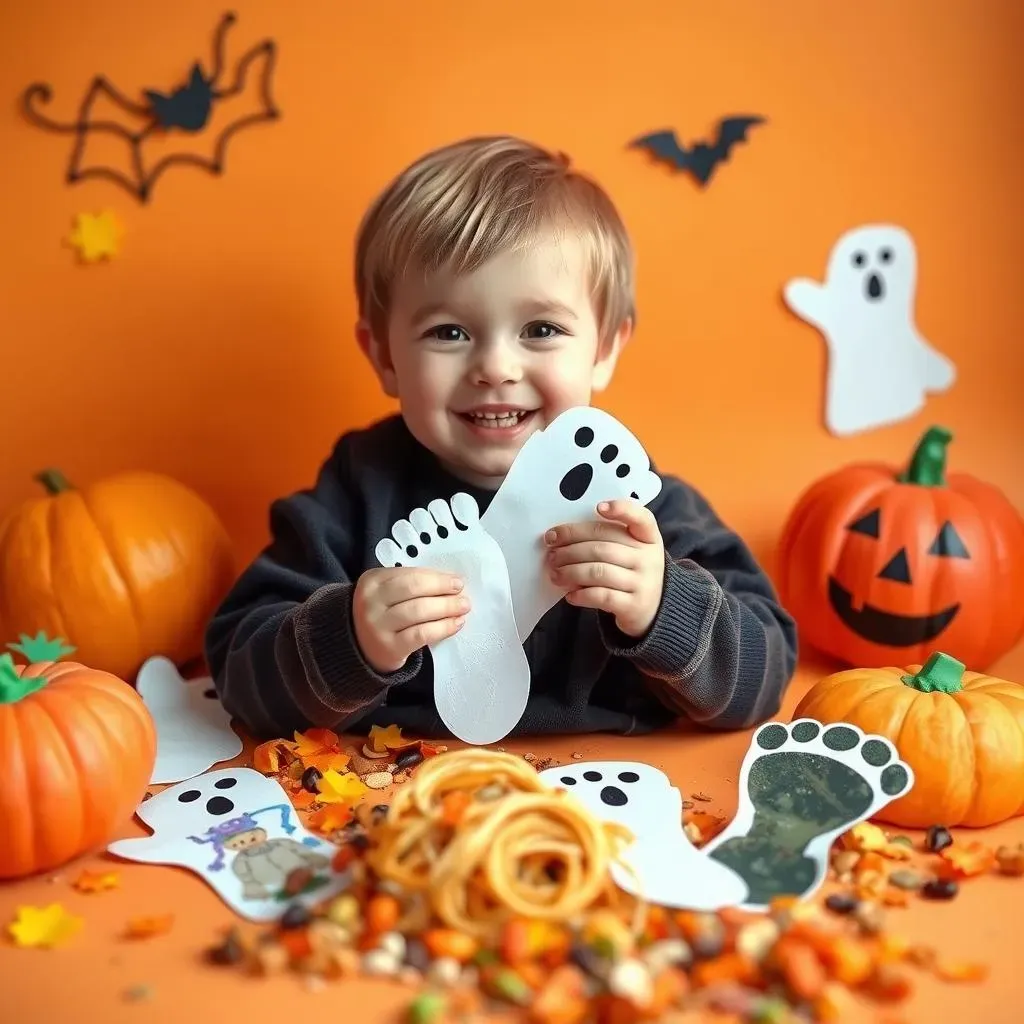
(283, 654)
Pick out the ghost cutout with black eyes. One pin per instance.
(880, 368)
(661, 864)
(238, 830)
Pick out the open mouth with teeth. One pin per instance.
(503, 420)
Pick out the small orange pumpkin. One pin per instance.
(128, 568)
(883, 567)
(961, 732)
(77, 749)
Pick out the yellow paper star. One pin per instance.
(386, 738)
(337, 788)
(44, 927)
(96, 236)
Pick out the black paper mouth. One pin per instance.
(874, 287)
(886, 628)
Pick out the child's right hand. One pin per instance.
(398, 611)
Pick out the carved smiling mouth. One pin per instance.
(886, 628)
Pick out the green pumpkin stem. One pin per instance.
(927, 466)
(53, 480)
(941, 673)
(14, 687)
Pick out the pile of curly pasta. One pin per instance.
(486, 841)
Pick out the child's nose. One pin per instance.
(496, 364)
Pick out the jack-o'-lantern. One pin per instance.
(884, 567)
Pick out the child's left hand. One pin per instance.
(616, 565)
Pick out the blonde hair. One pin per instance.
(461, 204)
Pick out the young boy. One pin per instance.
(495, 290)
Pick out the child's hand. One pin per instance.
(397, 611)
(616, 565)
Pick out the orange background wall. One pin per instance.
(218, 347)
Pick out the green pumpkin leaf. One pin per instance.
(41, 647)
(14, 687)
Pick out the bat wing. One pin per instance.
(664, 145)
(734, 129)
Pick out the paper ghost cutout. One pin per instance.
(583, 457)
(193, 731)
(481, 675)
(800, 786)
(237, 829)
(880, 368)
(668, 868)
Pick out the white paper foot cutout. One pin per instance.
(481, 675)
(670, 870)
(585, 456)
(800, 786)
(880, 368)
(193, 731)
(238, 830)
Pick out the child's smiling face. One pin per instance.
(482, 360)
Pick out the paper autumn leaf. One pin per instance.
(386, 737)
(341, 789)
(330, 818)
(147, 927)
(43, 927)
(329, 762)
(315, 741)
(96, 881)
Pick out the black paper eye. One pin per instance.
(859, 259)
(885, 255)
(948, 544)
(869, 524)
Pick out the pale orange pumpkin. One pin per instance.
(124, 569)
(961, 732)
(77, 749)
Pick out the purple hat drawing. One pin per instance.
(219, 834)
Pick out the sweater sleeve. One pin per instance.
(282, 647)
(721, 649)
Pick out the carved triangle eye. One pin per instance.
(897, 568)
(870, 524)
(948, 543)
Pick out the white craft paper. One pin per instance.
(193, 731)
(585, 456)
(880, 368)
(237, 829)
(844, 787)
(481, 675)
(668, 868)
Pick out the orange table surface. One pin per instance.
(91, 977)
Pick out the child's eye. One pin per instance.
(542, 331)
(447, 332)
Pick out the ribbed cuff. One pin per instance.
(325, 635)
(678, 638)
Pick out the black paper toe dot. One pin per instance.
(839, 737)
(894, 779)
(804, 732)
(771, 737)
(876, 753)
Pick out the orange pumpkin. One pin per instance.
(961, 732)
(77, 749)
(881, 567)
(127, 568)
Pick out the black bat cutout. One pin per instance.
(701, 159)
(186, 109)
